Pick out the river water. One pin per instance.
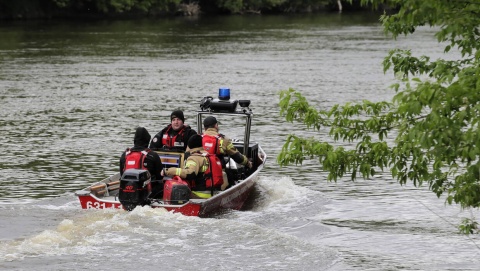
(72, 93)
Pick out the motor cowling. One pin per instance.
(135, 188)
(176, 191)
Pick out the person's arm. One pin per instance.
(156, 142)
(122, 164)
(234, 153)
(156, 166)
(239, 158)
(189, 172)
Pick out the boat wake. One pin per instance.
(175, 240)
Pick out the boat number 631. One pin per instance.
(98, 205)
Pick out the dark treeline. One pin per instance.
(34, 9)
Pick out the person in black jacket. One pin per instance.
(175, 136)
(151, 162)
(141, 157)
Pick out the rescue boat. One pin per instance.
(134, 188)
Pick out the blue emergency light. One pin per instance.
(224, 94)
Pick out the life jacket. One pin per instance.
(211, 144)
(171, 141)
(135, 159)
(213, 171)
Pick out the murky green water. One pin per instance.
(72, 93)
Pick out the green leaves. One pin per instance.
(434, 115)
(295, 107)
(468, 226)
(344, 127)
(120, 6)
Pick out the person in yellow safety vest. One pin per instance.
(201, 170)
(216, 143)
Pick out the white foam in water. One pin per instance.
(165, 237)
(71, 205)
(77, 236)
(68, 238)
(282, 193)
(92, 232)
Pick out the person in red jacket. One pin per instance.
(175, 136)
(131, 156)
(201, 170)
(141, 157)
(216, 143)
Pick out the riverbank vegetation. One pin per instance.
(34, 9)
(434, 116)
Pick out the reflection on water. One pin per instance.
(72, 94)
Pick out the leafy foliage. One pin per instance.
(121, 6)
(238, 6)
(435, 113)
(468, 226)
(28, 8)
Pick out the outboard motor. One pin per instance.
(135, 187)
